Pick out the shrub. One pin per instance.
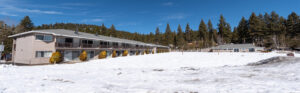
(102, 55)
(137, 53)
(114, 54)
(83, 56)
(55, 58)
(143, 52)
(152, 51)
(147, 51)
(125, 53)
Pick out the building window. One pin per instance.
(44, 37)
(39, 37)
(251, 50)
(87, 41)
(115, 44)
(48, 37)
(39, 54)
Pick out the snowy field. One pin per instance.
(157, 73)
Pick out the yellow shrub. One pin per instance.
(125, 53)
(114, 54)
(143, 52)
(147, 51)
(102, 55)
(83, 56)
(55, 58)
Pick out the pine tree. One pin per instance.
(235, 37)
(202, 32)
(222, 28)
(292, 21)
(25, 25)
(168, 36)
(210, 31)
(227, 33)
(157, 36)
(113, 31)
(188, 33)
(242, 31)
(180, 37)
(104, 30)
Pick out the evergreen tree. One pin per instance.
(104, 30)
(202, 31)
(180, 37)
(188, 32)
(292, 21)
(235, 37)
(113, 31)
(222, 28)
(210, 30)
(157, 36)
(242, 31)
(168, 36)
(227, 33)
(203, 34)
(25, 25)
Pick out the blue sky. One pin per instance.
(141, 16)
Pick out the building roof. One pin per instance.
(71, 33)
(236, 46)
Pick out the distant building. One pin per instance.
(36, 47)
(237, 48)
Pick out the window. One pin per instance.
(103, 43)
(48, 38)
(39, 37)
(39, 54)
(69, 40)
(44, 37)
(115, 44)
(87, 41)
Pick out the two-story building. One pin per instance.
(37, 46)
(237, 48)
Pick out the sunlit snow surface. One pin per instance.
(156, 73)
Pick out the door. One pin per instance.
(90, 55)
(67, 55)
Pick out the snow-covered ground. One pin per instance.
(156, 73)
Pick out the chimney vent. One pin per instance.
(76, 31)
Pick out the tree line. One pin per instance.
(269, 30)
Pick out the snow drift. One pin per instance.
(167, 72)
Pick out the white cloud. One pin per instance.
(7, 14)
(168, 4)
(159, 24)
(31, 10)
(92, 20)
(14, 6)
(97, 20)
(175, 16)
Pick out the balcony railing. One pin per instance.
(76, 45)
(88, 46)
(68, 45)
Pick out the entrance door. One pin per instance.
(75, 55)
(68, 55)
(90, 55)
(236, 50)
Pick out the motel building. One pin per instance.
(237, 48)
(37, 46)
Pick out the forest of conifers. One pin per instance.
(269, 30)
